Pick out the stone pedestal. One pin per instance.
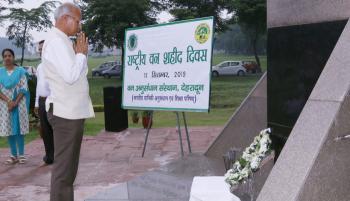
(312, 166)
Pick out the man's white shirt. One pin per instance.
(42, 87)
(66, 74)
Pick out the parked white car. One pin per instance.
(229, 68)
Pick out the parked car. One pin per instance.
(250, 66)
(112, 71)
(105, 66)
(229, 68)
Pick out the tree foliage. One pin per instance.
(4, 6)
(22, 21)
(235, 41)
(185, 9)
(12, 1)
(251, 16)
(105, 21)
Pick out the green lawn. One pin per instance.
(219, 85)
(96, 88)
(28, 138)
(226, 95)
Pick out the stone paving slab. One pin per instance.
(170, 182)
(107, 160)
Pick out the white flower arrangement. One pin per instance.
(251, 159)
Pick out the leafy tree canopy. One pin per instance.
(105, 21)
(22, 21)
(185, 9)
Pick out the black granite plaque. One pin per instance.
(296, 57)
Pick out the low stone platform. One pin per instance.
(108, 160)
(171, 182)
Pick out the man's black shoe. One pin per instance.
(47, 160)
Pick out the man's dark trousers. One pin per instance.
(47, 133)
(68, 135)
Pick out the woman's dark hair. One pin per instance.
(9, 50)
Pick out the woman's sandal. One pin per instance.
(12, 160)
(22, 159)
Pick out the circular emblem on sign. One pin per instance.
(132, 42)
(202, 33)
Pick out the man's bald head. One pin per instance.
(68, 17)
(65, 9)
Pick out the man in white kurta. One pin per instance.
(69, 103)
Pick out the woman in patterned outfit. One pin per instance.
(14, 106)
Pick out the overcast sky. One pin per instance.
(28, 4)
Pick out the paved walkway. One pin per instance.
(106, 160)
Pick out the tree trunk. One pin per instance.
(254, 44)
(24, 42)
(257, 58)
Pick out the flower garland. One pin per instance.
(251, 158)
